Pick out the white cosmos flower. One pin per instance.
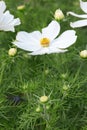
(80, 23)
(45, 42)
(7, 21)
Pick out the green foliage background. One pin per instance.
(24, 78)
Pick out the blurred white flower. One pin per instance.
(83, 54)
(7, 21)
(80, 23)
(45, 42)
(58, 15)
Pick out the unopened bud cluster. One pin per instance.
(43, 103)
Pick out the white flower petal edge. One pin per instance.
(52, 30)
(40, 51)
(83, 6)
(7, 21)
(28, 41)
(77, 15)
(79, 23)
(2, 7)
(47, 51)
(65, 40)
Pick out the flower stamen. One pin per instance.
(45, 42)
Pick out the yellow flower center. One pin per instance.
(45, 42)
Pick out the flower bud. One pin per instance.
(47, 107)
(38, 109)
(12, 51)
(65, 87)
(43, 99)
(47, 71)
(83, 54)
(64, 76)
(21, 7)
(58, 15)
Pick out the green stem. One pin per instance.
(44, 78)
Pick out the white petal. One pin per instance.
(51, 31)
(56, 50)
(79, 23)
(77, 15)
(28, 41)
(41, 51)
(7, 28)
(2, 6)
(65, 40)
(36, 35)
(6, 18)
(83, 6)
(48, 50)
(7, 22)
(15, 22)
